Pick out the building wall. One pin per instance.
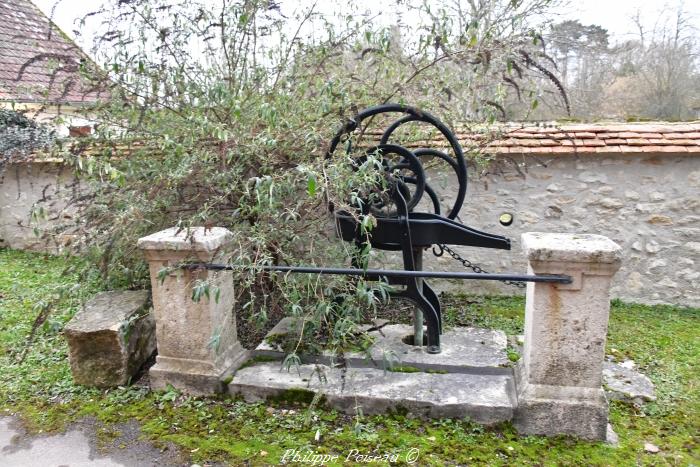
(31, 187)
(649, 204)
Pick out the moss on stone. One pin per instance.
(513, 355)
(294, 396)
(258, 359)
(404, 369)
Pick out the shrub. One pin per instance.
(221, 115)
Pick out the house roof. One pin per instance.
(555, 138)
(38, 63)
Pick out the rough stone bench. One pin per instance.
(110, 338)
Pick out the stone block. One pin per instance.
(624, 383)
(560, 410)
(570, 248)
(192, 241)
(110, 338)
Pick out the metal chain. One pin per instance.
(469, 265)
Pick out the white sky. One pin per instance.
(616, 15)
(613, 15)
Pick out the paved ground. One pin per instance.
(80, 446)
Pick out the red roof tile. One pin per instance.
(38, 62)
(603, 138)
(627, 138)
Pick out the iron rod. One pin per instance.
(417, 310)
(376, 273)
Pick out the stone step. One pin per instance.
(485, 398)
(464, 350)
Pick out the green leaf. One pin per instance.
(200, 289)
(215, 340)
(311, 185)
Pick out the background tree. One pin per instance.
(653, 76)
(658, 74)
(583, 57)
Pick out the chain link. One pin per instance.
(469, 265)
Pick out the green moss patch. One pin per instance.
(258, 359)
(404, 369)
(295, 396)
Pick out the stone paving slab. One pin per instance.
(486, 399)
(625, 383)
(464, 350)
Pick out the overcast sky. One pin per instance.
(613, 15)
(616, 15)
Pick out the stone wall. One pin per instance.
(40, 187)
(649, 204)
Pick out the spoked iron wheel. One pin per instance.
(410, 179)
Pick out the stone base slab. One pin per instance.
(487, 399)
(550, 417)
(196, 377)
(557, 410)
(471, 378)
(464, 350)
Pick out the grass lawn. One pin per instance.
(35, 383)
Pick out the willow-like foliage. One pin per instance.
(221, 113)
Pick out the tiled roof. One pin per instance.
(38, 63)
(549, 140)
(553, 138)
(599, 138)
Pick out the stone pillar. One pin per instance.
(197, 343)
(559, 378)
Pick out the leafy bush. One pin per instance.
(222, 114)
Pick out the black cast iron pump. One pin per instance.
(398, 225)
